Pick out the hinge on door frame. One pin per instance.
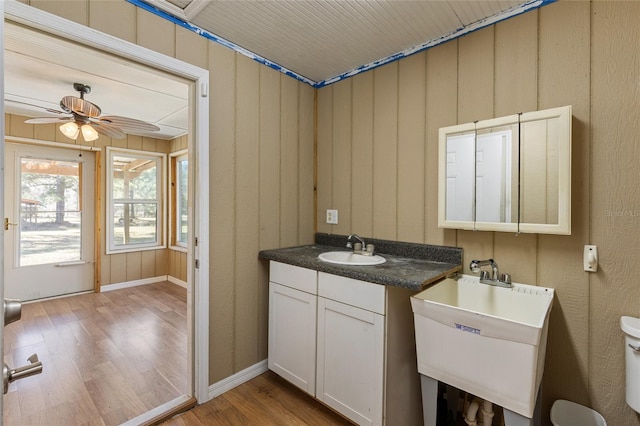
(196, 241)
(197, 264)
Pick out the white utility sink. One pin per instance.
(487, 340)
(350, 258)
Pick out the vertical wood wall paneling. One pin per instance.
(288, 161)
(222, 115)
(134, 142)
(269, 158)
(306, 166)
(385, 151)
(46, 132)
(118, 267)
(247, 213)
(441, 111)
(76, 11)
(564, 80)
(191, 48)
(516, 88)
(134, 265)
(162, 262)
(343, 173)
(325, 157)
(156, 33)
(115, 18)
(411, 148)
(475, 102)
(148, 264)
(362, 155)
(269, 194)
(615, 206)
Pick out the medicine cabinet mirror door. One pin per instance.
(545, 171)
(508, 174)
(496, 183)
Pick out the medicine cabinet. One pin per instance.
(509, 174)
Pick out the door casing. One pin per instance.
(198, 78)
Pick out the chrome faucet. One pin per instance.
(501, 280)
(360, 247)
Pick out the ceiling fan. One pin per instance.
(82, 115)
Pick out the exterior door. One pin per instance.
(49, 221)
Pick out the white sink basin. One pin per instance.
(350, 258)
(489, 341)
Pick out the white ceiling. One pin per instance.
(40, 69)
(324, 39)
(318, 41)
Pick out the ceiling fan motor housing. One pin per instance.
(75, 105)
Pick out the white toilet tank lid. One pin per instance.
(630, 326)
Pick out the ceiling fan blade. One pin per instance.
(108, 130)
(51, 110)
(49, 120)
(129, 123)
(80, 106)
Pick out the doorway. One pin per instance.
(49, 222)
(197, 79)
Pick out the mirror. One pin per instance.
(507, 174)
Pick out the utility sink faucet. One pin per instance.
(360, 247)
(501, 280)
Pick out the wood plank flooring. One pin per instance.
(107, 357)
(265, 400)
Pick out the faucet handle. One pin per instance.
(505, 278)
(484, 276)
(349, 245)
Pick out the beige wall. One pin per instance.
(261, 163)
(377, 150)
(377, 164)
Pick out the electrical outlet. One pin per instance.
(332, 217)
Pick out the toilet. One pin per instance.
(631, 328)
(567, 413)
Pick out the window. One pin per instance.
(179, 198)
(135, 203)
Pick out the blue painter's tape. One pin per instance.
(431, 43)
(467, 329)
(534, 4)
(206, 34)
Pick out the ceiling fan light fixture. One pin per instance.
(70, 130)
(89, 133)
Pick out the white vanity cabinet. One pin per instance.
(350, 364)
(292, 324)
(347, 342)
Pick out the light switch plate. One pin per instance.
(332, 217)
(590, 258)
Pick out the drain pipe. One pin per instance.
(472, 411)
(487, 413)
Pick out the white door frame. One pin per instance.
(2, 187)
(198, 295)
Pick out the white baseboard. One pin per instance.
(237, 379)
(176, 281)
(134, 283)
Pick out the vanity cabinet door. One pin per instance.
(350, 365)
(292, 335)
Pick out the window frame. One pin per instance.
(174, 203)
(160, 201)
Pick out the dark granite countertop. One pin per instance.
(408, 265)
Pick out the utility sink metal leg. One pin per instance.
(429, 400)
(515, 419)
